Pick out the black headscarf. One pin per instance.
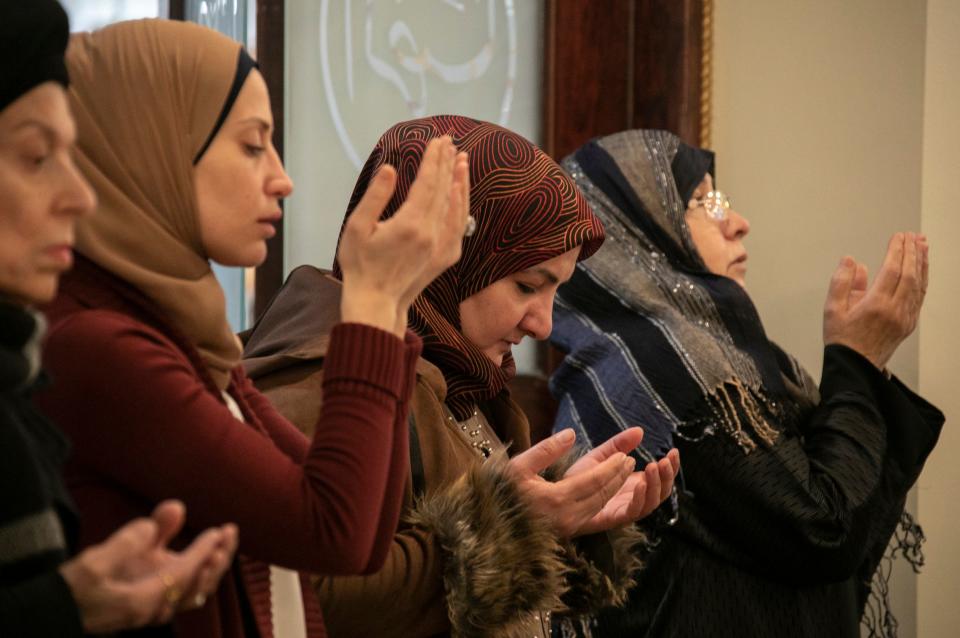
(33, 39)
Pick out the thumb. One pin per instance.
(841, 283)
(544, 453)
(374, 201)
(169, 517)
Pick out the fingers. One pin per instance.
(435, 168)
(908, 286)
(859, 279)
(652, 497)
(543, 454)
(889, 275)
(367, 213)
(667, 474)
(924, 264)
(625, 442)
(209, 575)
(441, 195)
(674, 456)
(841, 283)
(454, 221)
(463, 179)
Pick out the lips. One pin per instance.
(272, 218)
(60, 254)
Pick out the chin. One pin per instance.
(40, 291)
(248, 257)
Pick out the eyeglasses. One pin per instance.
(715, 203)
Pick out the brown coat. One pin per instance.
(470, 559)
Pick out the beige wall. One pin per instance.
(828, 141)
(939, 587)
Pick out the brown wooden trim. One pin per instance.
(177, 10)
(668, 54)
(586, 83)
(270, 47)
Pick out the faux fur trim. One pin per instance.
(502, 562)
(600, 567)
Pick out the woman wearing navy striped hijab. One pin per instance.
(789, 494)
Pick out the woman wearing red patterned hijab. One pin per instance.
(488, 547)
(527, 211)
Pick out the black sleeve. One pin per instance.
(39, 608)
(806, 510)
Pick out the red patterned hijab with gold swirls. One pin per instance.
(528, 210)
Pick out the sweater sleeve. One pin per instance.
(805, 508)
(289, 438)
(38, 608)
(142, 419)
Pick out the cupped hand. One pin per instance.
(386, 264)
(874, 320)
(572, 501)
(641, 493)
(132, 579)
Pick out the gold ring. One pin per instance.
(199, 600)
(172, 593)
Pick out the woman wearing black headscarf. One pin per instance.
(789, 495)
(130, 579)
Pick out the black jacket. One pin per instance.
(784, 541)
(36, 519)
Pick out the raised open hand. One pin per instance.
(874, 320)
(386, 264)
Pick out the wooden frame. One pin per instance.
(270, 57)
(177, 10)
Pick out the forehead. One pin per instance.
(45, 106)
(253, 100)
(558, 269)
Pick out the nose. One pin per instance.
(279, 184)
(77, 197)
(737, 226)
(538, 321)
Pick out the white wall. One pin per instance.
(835, 125)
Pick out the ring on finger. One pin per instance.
(171, 593)
(199, 601)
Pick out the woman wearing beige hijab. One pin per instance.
(174, 129)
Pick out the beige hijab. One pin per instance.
(146, 95)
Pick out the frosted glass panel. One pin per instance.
(87, 15)
(354, 68)
(235, 18)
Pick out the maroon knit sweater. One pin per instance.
(147, 423)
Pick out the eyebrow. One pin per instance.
(261, 123)
(549, 276)
(51, 134)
